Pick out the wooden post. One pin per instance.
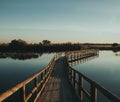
(45, 74)
(41, 79)
(71, 75)
(77, 55)
(23, 94)
(36, 84)
(93, 93)
(80, 86)
(74, 77)
(71, 58)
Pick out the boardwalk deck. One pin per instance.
(58, 82)
(58, 88)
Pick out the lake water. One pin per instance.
(104, 69)
(13, 71)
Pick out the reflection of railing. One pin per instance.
(44, 75)
(82, 60)
(75, 78)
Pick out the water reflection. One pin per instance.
(79, 61)
(14, 71)
(20, 56)
(105, 70)
(117, 53)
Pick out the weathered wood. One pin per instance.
(93, 93)
(23, 84)
(94, 89)
(74, 55)
(80, 85)
(59, 82)
(74, 77)
(24, 93)
(36, 85)
(58, 88)
(93, 85)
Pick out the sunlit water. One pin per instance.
(14, 71)
(105, 70)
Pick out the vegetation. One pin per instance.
(115, 44)
(46, 42)
(45, 46)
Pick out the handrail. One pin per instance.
(44, 74)
(76, 80)
(73, 55)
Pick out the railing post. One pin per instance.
(36, 84)
(80, 86)
(42, 80)
(93, 93)
(71, 75)
(74, 77)
(23, 94)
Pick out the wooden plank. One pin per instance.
(22, 85)
(58, 88)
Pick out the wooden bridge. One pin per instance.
(58, 82)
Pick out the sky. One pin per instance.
(84, 21)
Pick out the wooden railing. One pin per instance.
(76, 80)
(75, 55)
(82, 60)
(44, 75)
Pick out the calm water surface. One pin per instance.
(105, 70)
(14, 71)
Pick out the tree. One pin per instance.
(114, 44)
(46, 42)
(17, 42)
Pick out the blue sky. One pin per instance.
(60, 20)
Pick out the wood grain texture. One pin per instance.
(58, 88)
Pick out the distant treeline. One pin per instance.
(47, 46)
(113, 46)
(44, 46)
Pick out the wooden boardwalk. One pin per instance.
(58, 89)
(59, 82)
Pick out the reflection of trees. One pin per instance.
(115, 51)
(20, 56)
(117, 54)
